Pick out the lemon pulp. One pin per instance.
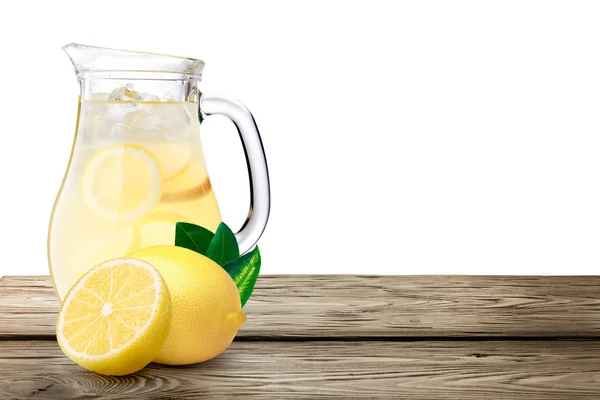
(116, 318)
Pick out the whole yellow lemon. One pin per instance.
(205, 304)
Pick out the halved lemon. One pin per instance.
(159, 228)
(114, 245)
(122, 182)
(116, 318)
(173, 158)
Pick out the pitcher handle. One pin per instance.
(258, 173)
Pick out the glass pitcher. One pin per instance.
(136, 166)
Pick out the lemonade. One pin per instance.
(136, 169)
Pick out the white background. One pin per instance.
(417, 137)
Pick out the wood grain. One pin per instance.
(342, 306)
(315, 370)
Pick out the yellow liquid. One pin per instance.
(79, 235)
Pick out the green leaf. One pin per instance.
(244, 271)
(192, 237)
(223, 247)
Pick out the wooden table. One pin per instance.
(348, 337)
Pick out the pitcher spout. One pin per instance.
(117, 63)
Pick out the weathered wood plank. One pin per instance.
(344, 369)
(314, 306)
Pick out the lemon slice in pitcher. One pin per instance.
(122, 182)
(116, 318)
(114, 245)
(173, 158)
(159, 228)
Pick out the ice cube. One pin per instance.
(168, 121)
(118, 132)
(169, 97)
(124, 93)
(92, 109)
(150, 98)
(175, 130)
(102, 122)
